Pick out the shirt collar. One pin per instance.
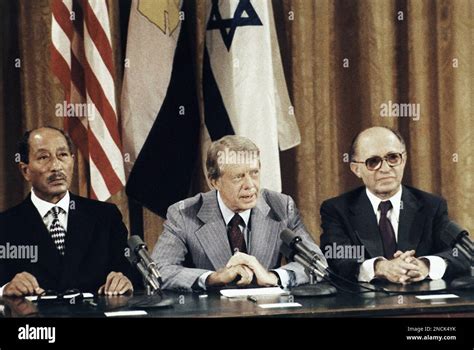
(395, 199)
(44, 207)
(229, 214)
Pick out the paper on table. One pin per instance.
(84, 295)
(279, 305)
(67, 296)
(237, 293)
(35, 297)
(125, 313)
(436, 296)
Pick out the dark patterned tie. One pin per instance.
(236, 237)
(57, 231)
(386, 230)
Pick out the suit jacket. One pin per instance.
(350, 220)
(95, 242)
(195, 241)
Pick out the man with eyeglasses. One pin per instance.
(398, 226)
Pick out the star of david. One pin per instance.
(228, 26)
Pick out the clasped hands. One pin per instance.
(247, 267)
(404, 268)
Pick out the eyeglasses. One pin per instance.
(375, 163)
(52, 294)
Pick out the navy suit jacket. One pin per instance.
(350, 220)
(95, 241)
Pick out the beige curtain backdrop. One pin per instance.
(342, 59)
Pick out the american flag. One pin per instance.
(82, 59)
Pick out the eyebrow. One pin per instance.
(47, 150)
(42, 150)
(390, 152)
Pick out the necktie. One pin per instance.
(236, 237)
(386, 230)
(57, 231)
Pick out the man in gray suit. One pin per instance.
(231, 233)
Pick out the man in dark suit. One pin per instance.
(398, 227)
(77, 243)
(231, 233)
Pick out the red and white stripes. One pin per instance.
(82, 59)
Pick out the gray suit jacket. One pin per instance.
(194, 239)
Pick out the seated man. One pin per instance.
(398, 226)
(232, 232)
(79, 243)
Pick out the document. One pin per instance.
(436, 296)
(239, 293)
(126, 313)
(279, 305)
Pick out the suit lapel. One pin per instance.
(410, 224)
(213, 234)
(264, 233)
(80, 228)
(364, 222)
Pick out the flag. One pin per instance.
(159, 103)
(244, 85)
(152, 37)
(82, 59)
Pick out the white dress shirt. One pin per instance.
(228, 214)
(44, 207)
(367, 269)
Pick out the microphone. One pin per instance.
(149, 278)
(291, 255)
(296, 243)
(145, 265)
(455, 236)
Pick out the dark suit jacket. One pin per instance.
(350, 220)
(95, 242)
(195, 241)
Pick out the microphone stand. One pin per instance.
(152, 282)
(313, 288)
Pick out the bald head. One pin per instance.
(377, 134)
(383, 144)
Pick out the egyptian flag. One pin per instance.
(244, 86)
(161, 122)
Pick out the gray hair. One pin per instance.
(230, 149)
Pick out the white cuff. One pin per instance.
(367, 270)
(437, 267)
(203, 278)
(284, 276)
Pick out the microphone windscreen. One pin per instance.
(287, 236)
(451, 233)
(134, 242)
